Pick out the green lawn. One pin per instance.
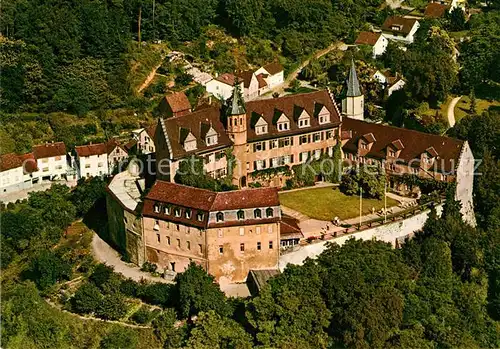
(463, 105)
(326, 203)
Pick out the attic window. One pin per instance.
(269, 212)
(166, 210)
(177, 212)
(397, 27)
(241, 215)
(211, 140)
(261, 126)
(257, 213)
(219, 217)
(283, 126)
(187, 213)
(199, 216)
(392, 153)
(157, 208)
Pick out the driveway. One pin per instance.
(451, 111)
(106, 254)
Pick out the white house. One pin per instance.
(11, 173)
(51, 161)
(222, 86)
(377, 41)
(273, 74)
(391, 83)
(145, 139)
(400, 29)
(92, 160)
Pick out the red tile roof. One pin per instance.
(48, 150)
(367, 38)
(91, 149)
(29, 163)
(246, 76)
(247, 198)
(435, 10)
(178, 102)
(268, 108)
(261, 81)
(415, 143)
(194, 123)
(151, 130)
(405, 24)
(226, 78)
(9, 162)
(205, 201)
(290, 228)
(273, 68)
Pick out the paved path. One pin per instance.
(106, 254)
(451, 111)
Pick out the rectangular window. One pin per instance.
(167, 210)
(242, 247)
(200, 248)
(187, 213)
(87, 165)
(270, 229)
(157, 208)
(157, 225)
(259, 247)
(273, 144)
(257, 230)
(317, 137)
(178, 242)
(220, 233)
(221, 250)
(188, 245)
(59, 167)
(100, 164)
(158, 238)
(168, 240)
(177, 212)
(242, 231)
(58, 158)
(178, 227)
(271, 244)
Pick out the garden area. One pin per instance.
(328, 202)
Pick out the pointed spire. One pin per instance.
(353, 89)
(236, 105)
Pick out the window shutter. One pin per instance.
(291, 140)
(300, 157)
(255, 165)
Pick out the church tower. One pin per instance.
(353, 102)
(236, 127)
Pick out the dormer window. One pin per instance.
(199, 216)
(261, 126)
(269, 212)
(364, 145)
(283, 124)
(211, 137)
(219, 217)
(177, 212)
(189, 141)
(304, 119)
(392, 153)
(241, 215)
(257, 213)
(187, 213)
(166, 209)
(156, 208)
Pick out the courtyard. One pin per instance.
(328, 202)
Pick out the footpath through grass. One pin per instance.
(327, 203)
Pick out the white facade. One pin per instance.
(271, 79)
(54, 167)
(380, 46)
(12, 180)
(219, 89)
(406, 39)
(93, 165)
(352, 107)
(398, 85)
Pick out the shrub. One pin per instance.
(47, 269)
(119, 338)
(149, 267)
(129, 287)
(86, 299)
(157, 293)
(143, 316)
(101, 274)
(112, 307)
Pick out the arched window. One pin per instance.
(219, 217)
(269, 212)
(241, 215)
(257, 213)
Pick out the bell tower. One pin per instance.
(236, 127)
(353, 102)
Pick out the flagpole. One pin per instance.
(385, 202)
(360, 205)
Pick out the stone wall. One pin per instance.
(465, 184)
(390, 233)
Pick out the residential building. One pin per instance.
(273, 74)
(391, 83)
(175, 104)
(99, 159)
(16, 171)
(52, 162)
(222, 86)
(400, 29)
(227, 233)
(145, 139)
(377, 41)
(435, 10)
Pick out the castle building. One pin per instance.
(227, 233)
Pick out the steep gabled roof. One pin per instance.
(435, 10)
(273, 68)
(367, 38)
(9, 162)
(405, 24)
(91, 149)
(415, 143)
(178, 102)
(226, 78)
(247, 198)
(49, 150)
